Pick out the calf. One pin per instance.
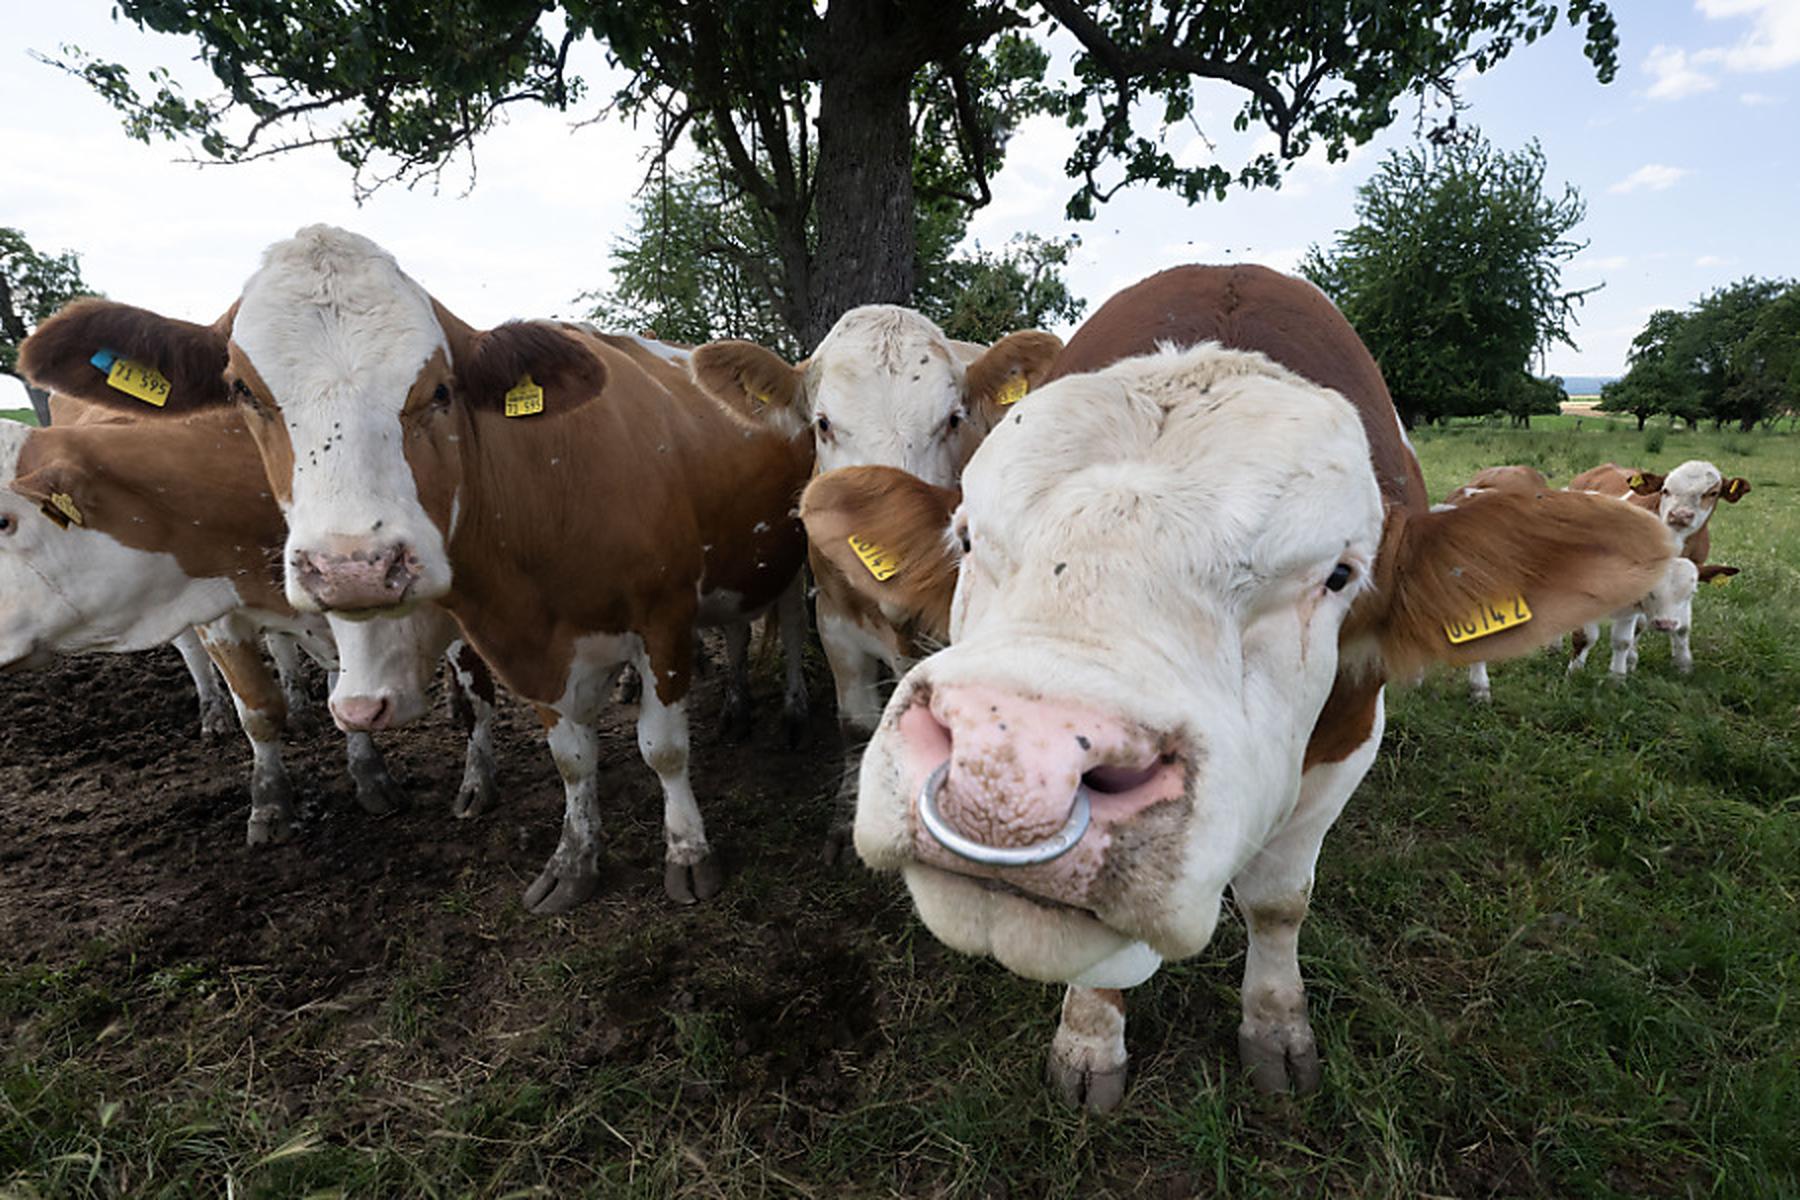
(1668, 608)
(1174, 586)
(110, 541)
(574, 500)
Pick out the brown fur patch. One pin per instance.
(748, 378)
(490, 363)
(1025, 355)
(903, 515)
(192, 357)
(1508, 478)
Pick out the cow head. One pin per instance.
(1154, 579)
(885, 387)
(362, 392)
(1687, 496)
(1669, 606)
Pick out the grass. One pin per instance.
(1554, 953)
(23, 415)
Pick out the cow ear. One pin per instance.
(1004, 373)
(756, 382)
(127, 358)
(887, 532)
(60, 490)
(1735, 489)
(1503, 573)
(1645, 483)
(1716, 573)
(523, 368)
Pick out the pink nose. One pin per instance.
(363, 579)
(1681, 516)
(1665, 624)
(1015, 762)
(364, 714)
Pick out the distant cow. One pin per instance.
(576, 501)
(1174, 585)
(114, 538)
(1668, 608)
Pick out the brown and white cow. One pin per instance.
(1174, 586)
(114, 538)
(575, 501)
(1667, 608)
(884, 388)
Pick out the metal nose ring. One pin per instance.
(1058, 844)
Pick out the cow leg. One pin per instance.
(691, 872)
(573, 873)
(1479, 691)
(378, 792)
(1581, 641)
(854, 672)
(1275, 1039)
(215, 710)
(734, 721)
(1087, 1064)
(796, 705)
(303, 713)
(472, 704)
(231, 643)
(1680, 650)
(1624, 644)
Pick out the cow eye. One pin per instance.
(1340, 575)
(956, 419)
(6, 523)
(241, 390)
(440, 396)
(824, 423)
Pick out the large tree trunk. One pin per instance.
(40, 403)
(864, 198)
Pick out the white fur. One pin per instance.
(1684, 495)
(888, 381)
(1150, 541)
(339, 334)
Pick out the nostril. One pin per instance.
(1115, 780)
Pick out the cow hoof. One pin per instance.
(380, 795)
(794, 726)
(734, 719)
(473, 799)
(551, 894)
(268, 827)
(693, 882)
(1099, 1090)
(1482, 697)
(217, 723)
(1281, 1062)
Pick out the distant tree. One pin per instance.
(397, 89)
(32, 286)
(1531, 396)
(1728, 383)
(1653, 382)
(1770, 355)
(984, 295)
(1452, 275)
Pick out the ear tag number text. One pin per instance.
(1489, 618)
(882, 565)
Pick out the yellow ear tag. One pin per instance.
(1635, 482)
(761, 397)
(135, 379)
(882, 565)
(1731, 493)
(1489, 618)
(1012, 391)
(65, 504)
(1720, 580)
(526, 398)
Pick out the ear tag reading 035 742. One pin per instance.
(1012, 391)
(1489, 618)
(882, 565)
(526, 398)
(134, 378)
(65, 504)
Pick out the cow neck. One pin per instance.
(193, 488)
(593, 521)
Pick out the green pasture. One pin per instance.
(1555, 952)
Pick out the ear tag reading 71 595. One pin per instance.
(134, 378)
(1012, 391)
(882, 565)
(1489, 618)
(65, 504)
(526, 398)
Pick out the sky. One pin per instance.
(1689, 163)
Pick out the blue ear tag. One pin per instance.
(104, 359)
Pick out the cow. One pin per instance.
(1173, 588)
(1668, 608)
(574, 500)
(884, 388)
(1514, 478)
(111, 541)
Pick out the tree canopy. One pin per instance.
(1733, 356)
(822, 114)
(32, 286)
(1452, 276)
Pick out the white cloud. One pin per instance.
(1674, 78)
(1773, 43)
(1654, 177)
(1610, 262)
(1759, 99)
(1711, 260)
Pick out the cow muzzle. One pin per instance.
(1681, 518)
(362, 714)
(361, 580)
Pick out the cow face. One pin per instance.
(362, 394)
(1165, 568)
(385, 668)
(67, 589)
(1669, 606)
(885, 387)
(1690, 493)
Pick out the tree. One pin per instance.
(1452, 276)
(1728, 383)
(398, 87)
(1652, 382)
(32, 286)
